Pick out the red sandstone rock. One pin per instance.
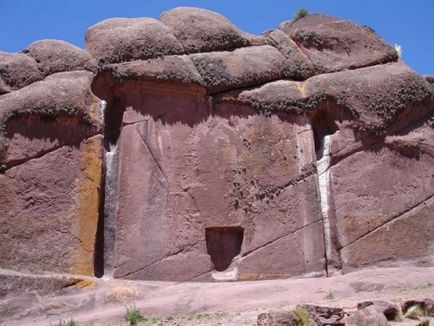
(274, 178)
(307, 21)
(17, 70)
(366, 317)
(170, 68)
(277, 318)
(390, 310)
(325, 315)
(241, 68)
(50, 215)
(125, 39)
(331, 44)
(375, 97)
(201, 30)
(56, 56)
(50, 189)
(46, 115)
(300, 66)
(210, 173)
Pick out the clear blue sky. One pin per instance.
(405, 22)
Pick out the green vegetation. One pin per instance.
(300, 14)
(133, 316)
(161, 321)
(303, 317)
(414, 312)
(330, 296)
(428, 286)
(70, 322)
(398, 316)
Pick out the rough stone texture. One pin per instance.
(56, 56)
(309, 20)
(209, 128)
(170, 68)
(336, 45)
(201, 30)
(366, 317)
(277, 318)
(50, 212)
(390, 310)
(241, 68)
(379, 221)
(46, 115)
(376, 96)
(14, 283)
(203, 171)
(51, 153)
(300, 66)
(17, 70)
(325, 315)
(125, 39)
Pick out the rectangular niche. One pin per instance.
(223, 243)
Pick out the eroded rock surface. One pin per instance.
(186, 149)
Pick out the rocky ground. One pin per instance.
(105, 301)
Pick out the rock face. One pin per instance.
(185, 149)
(51, 153)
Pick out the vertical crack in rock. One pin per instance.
(323, 165)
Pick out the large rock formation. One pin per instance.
(186, 149)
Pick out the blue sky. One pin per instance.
(408, 23)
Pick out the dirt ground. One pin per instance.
(105, 301)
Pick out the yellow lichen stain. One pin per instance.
(302, 89)
(88, 205)
(121, 293)
(86, 284)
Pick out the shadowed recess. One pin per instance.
(223, 243)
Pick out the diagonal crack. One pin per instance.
(393, 218)
(43, 153)
(277, 239)
(159, 167)
(178, 252)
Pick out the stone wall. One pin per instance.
(186, 149)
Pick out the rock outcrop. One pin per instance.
(186, 149)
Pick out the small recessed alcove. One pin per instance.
(223, 243)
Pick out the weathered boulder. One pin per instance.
(46, 115)
(376, 96)
(368, 316)
(334, 45)
(175, 68)
(201, 30)
(125, 39)
(325, 315)
(241, 68)
(390, 310)
(56, 56)
(299, 65)
(277, 318)
(17, 70)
